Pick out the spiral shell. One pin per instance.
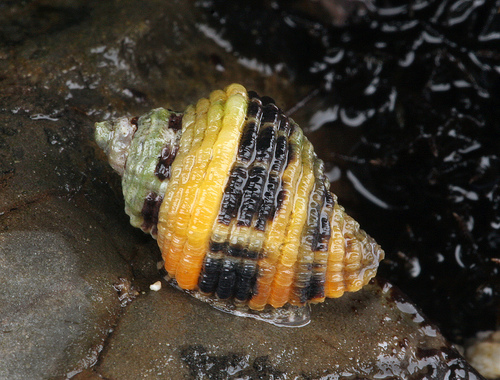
(238, 202)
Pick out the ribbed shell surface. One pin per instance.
(246, 213)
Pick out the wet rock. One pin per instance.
(45, 305)
(58, 304)
(27, 19)
(39, 141)
(377, 333)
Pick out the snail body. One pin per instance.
(239, 204)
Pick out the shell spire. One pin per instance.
(238, 202)
(141, 150)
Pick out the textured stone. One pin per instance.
(56, 311)
(377, 333)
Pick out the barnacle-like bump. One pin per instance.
(239, 204)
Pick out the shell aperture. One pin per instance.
(239, 203)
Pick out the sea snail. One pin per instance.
(239, 204)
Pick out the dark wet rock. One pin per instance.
(376, 333)
(20, 20)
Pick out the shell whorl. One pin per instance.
(142, 150)
(239, 202)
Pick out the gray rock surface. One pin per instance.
(65, 242)
(58, 302)
(51, 316)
